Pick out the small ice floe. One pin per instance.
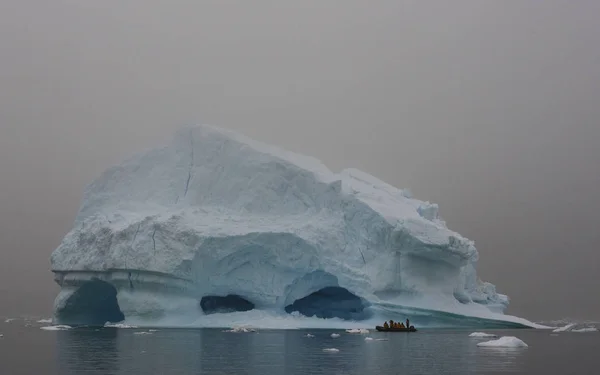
(482, 334)
(504, 342)
(335, 335)
(240, 329)
(1, 335)
(309, 335)
(358, 330)
(331, 350)
(45, 321)
(382, 339)
(59, 327)
(153, 330)
(368, 339)
(118, 325)
(9, 320)
(566, 328)
(587, 329)
(142, 333)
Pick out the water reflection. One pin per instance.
(211, 351)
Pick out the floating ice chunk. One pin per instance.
(587, 329)
(1, 335)
(59, 327)
(142, 333)
(358, 330)
(331, 350)
(240, 329)
(368, 339)
(505, 342)
(382, 339)
(335, 335)
(566, 328)
(309, 335)
(9, 320)
(153, 330)
(482, 334)
(45, 321)
(118, 325)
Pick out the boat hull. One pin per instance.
(383, 329)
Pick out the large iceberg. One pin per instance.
(215, 228)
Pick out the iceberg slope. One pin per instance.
(217, 219)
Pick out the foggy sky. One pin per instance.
(489, 108)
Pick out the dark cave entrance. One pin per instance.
(229, 303)
(94, 304)
(330, 302)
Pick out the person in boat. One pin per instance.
(385, 325)
(401, 325)
(407, 323)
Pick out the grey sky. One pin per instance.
(489, 108)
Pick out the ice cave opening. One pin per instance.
(330, 302)
(94, 303)
(229, 303)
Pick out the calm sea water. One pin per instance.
(30, 350)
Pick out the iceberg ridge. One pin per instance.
(217, 219)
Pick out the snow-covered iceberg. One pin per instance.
(215, 228)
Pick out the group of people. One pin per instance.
(393, 324)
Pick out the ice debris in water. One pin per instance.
(566, 328)
(118, 325)
(331, 350)
(587, 329)
(9, 320)
(368, 339)
(335, 335)
(309, 335)
(142, 333)
(45, 321)
(504, 342)
(574, 327)
(60, 327)
(358, 330)
(240, 329)
(482, 334)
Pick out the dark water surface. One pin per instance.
(30, 350)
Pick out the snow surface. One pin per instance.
(504, 342)
(216, 213)
(482, 334)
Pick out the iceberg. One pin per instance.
(59, 327)
(587, 329)
(214, 229)
(504, 342)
